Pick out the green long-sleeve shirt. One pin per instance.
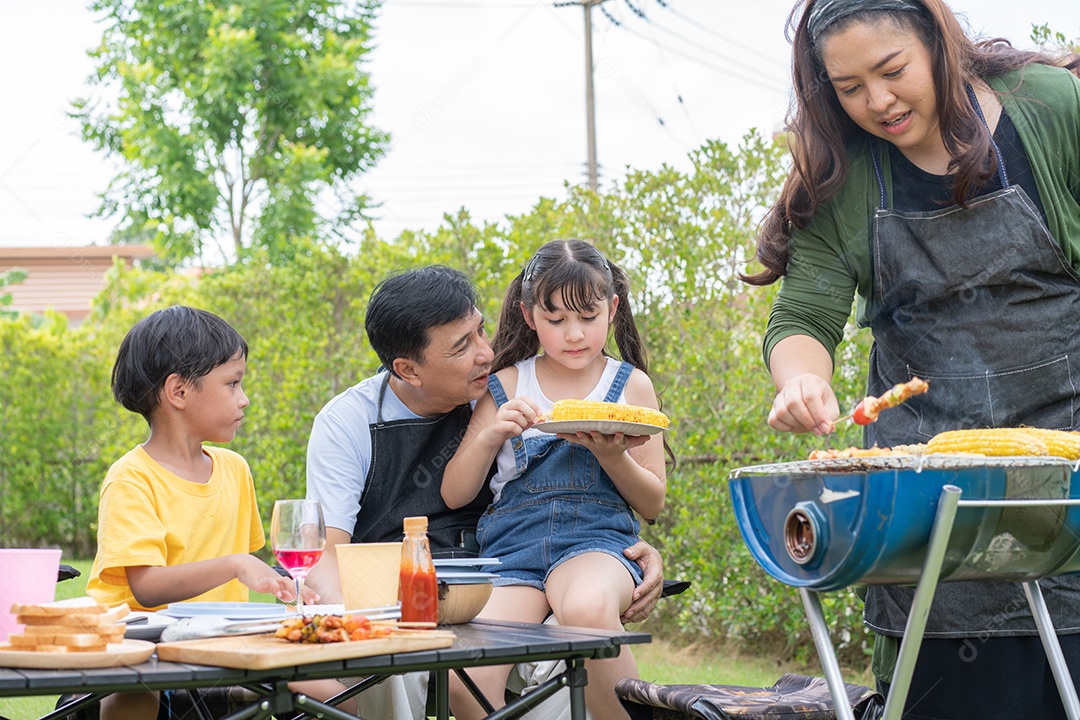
(830, 258)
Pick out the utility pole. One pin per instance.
(590, 103)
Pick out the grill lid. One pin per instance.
(917, 463)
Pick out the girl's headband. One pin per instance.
(530, 267)
(826, 12)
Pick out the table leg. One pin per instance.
(284, 703)
(472, 688)
(74, 706)
(258, 709)
(530, 700)
(314, 708)
(575, 671)
(442, 694)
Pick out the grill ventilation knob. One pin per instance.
(805, 533)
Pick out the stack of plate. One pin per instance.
(463, 571)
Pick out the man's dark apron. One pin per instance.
(981, 303)
(405, 476)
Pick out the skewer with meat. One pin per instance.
(869, 408)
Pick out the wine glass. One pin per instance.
(297, 535)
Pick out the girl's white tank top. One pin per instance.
(528, 386)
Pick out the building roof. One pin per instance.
(63, 279)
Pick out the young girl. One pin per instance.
(562, 510)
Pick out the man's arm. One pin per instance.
(652, 583)
(323, 578)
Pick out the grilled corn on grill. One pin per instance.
(828, 524)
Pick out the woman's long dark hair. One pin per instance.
(819, 127)
(581, 277)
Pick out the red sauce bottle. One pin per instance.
(419, 588)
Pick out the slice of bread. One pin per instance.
(85, 605)
(107, 630)
(76, 640)
(79, 625)
(81, 616)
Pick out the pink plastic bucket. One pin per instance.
(28, 576)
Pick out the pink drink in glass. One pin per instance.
(298, 562)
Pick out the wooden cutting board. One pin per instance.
(263, 652)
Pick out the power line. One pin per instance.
(706, 48)
(704, 28)
(450, 4)
(723, 71)
(678, 93)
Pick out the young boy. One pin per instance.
(177, 520)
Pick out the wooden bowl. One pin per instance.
(461, 603)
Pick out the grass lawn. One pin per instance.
(659, 661)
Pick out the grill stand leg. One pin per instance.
(920, 604)
(827, 654)
(916, 624)
(1053, 649)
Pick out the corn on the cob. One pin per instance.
(1061, 443)
(593, 410)
(996, 442)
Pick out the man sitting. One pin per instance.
(377, 451)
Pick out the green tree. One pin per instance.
(9, 277)
(239, 120)
(1053, 40)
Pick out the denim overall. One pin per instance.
(982, 304)
(561, 504)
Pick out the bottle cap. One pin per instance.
(416, 523)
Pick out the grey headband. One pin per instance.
(826, 12)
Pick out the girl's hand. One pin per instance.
(604, 446)
(805, 403)
(512, 419)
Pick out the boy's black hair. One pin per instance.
(179, 339)
(405, 307)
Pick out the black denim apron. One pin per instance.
(408, 458)
(982, 304)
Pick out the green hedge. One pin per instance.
(683, 236)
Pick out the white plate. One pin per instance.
(605, 427)
(227, 610)
(464, 581)
(465, 562)
(463, 575)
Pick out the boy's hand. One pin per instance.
(262, 578)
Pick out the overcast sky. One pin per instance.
(484, 99)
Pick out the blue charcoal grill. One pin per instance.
(823, 525)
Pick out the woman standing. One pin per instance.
(937, 180)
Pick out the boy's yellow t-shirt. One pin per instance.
(150, 516)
